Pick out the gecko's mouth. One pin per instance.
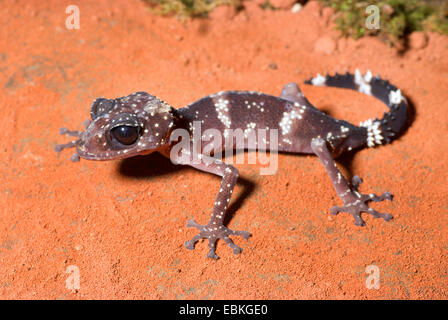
(81, 149)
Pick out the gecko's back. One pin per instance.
(296, 122)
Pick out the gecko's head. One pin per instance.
(124, 127)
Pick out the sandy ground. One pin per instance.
(122, 223)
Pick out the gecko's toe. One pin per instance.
(190, 244)
(358, 221)
(75, 157)
(356, 181)
(235, 248)
(73, 133)
(376, 214)
(212, 247)
(194, 224)
(244, 234)
(60, 147)
(335, 210)
(212, 255)
(374, 197)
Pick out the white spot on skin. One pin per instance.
(363, 82)
(373, 132)
(222, 108)
(318, 80)
(395, 97)
(287, 121)
(344, 129)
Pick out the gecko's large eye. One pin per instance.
(126, 135)
(125, 129)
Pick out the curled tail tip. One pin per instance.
(379, 131)
(386, 129)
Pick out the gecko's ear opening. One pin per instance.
(101, 106)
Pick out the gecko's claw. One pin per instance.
(356, 181)
(213, 233)
(75, 157)
(360, 205)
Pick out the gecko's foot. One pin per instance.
(71, 144)
(359, 204)
(213, 233)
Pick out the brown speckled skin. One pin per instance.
(314, 123)
(301, 128)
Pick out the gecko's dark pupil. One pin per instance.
(125, 134)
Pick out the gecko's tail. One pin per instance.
(379, 131)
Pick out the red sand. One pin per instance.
(122, 223)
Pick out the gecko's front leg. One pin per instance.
(71, 144)
(215, 228)
(354, 202)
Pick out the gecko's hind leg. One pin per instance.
(291, 92)
(354, 202)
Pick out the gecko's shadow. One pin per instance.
(146, 167)
(153, 165)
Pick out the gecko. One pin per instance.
(140, 124)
